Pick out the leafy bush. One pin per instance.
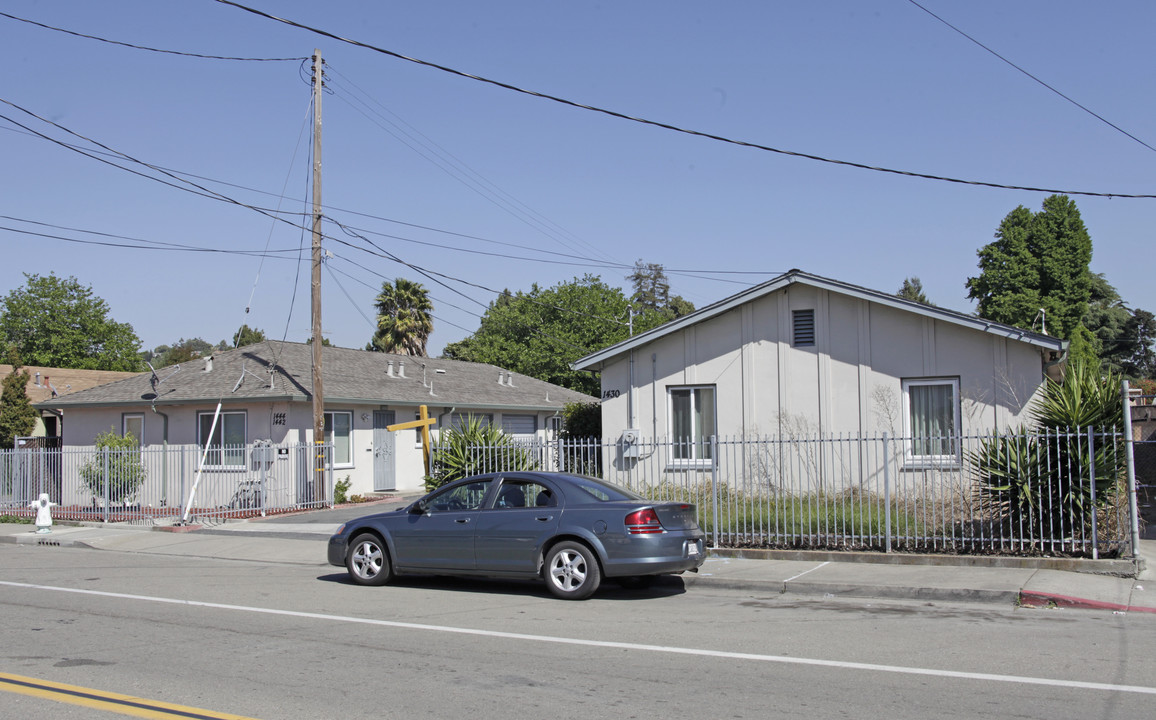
(340, 489)
(1040, 479)
(475, 447)
(120, 455)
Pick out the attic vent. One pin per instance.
(804, 328)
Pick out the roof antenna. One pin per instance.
(155, 381)
(245, 372)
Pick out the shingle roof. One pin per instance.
(62, 381)
(351, 376)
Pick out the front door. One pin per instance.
(384, 444)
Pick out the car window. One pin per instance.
(460, 497)
(600, 490)
(524, 493)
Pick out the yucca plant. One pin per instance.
(1040, 479)
(475, 447)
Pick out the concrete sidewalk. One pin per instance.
(1038, 582)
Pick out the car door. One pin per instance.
(508, 532)
(442, 537)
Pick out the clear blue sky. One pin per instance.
(418, 155)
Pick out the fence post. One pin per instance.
(714, 483)
(104, 476)
(886, 493)
(1092, 474)
(1129, 449)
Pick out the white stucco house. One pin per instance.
(265, 394)
(806, 354)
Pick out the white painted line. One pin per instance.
(807, 571)
(988, 677)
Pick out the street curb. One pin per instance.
(1123, 568)
(1040, 599)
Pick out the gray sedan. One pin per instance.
(570, 530)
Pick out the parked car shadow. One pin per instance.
(663, 586)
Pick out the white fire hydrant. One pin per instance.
(43, 513)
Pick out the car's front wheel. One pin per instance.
(572, 571)
(368, 561)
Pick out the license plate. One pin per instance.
(691, 548)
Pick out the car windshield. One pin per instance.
(600, 490)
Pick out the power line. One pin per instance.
(675, 128)
(150, 49)
(1033, 77)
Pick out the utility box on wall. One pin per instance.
(629, 442)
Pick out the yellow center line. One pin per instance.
(111, 702)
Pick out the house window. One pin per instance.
(227, 444)
(931, 417)
(458, 420)
(803, 328)
(133, 424)
(692, 422)
(339, 434)
(522, 427)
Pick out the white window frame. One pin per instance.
(916, 455)
(124, 429)
(331, 439)
(216, 457)
(699, 446)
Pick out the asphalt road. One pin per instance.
(280, 641)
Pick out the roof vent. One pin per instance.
(501, 378)
(400, 369)
(389, 368)
(510, 380)
(208, 363)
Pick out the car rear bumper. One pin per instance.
(681, 555)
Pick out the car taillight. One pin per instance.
(643, 522)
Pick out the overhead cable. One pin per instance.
(150, 49)
(675, 128)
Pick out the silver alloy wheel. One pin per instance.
(367, 559)
(568, 571)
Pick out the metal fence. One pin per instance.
(175, 483)
(1054, 493)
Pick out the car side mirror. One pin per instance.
(418, 508)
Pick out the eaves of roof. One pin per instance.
(596, 360)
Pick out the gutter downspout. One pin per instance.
(164, 456)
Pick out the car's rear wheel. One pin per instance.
(572, 571)
(368, 561)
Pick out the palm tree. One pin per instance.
(404, 322)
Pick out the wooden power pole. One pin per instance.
(315, 294)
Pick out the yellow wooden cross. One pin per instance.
(424, 423)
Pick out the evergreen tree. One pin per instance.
(17, 416)
(247, 336)
(913, 290)
(1038, 262)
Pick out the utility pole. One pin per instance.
(315, 294)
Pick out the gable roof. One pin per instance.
(283, 371)
(596, 360)
(46, 382)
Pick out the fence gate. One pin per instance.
(384, 443)
(1144, 458)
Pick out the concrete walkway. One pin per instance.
(1106, 585)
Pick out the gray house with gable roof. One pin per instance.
(265, 394)
(803, 355)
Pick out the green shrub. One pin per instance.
(120, 455)
(475, 447)
(340, 489)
